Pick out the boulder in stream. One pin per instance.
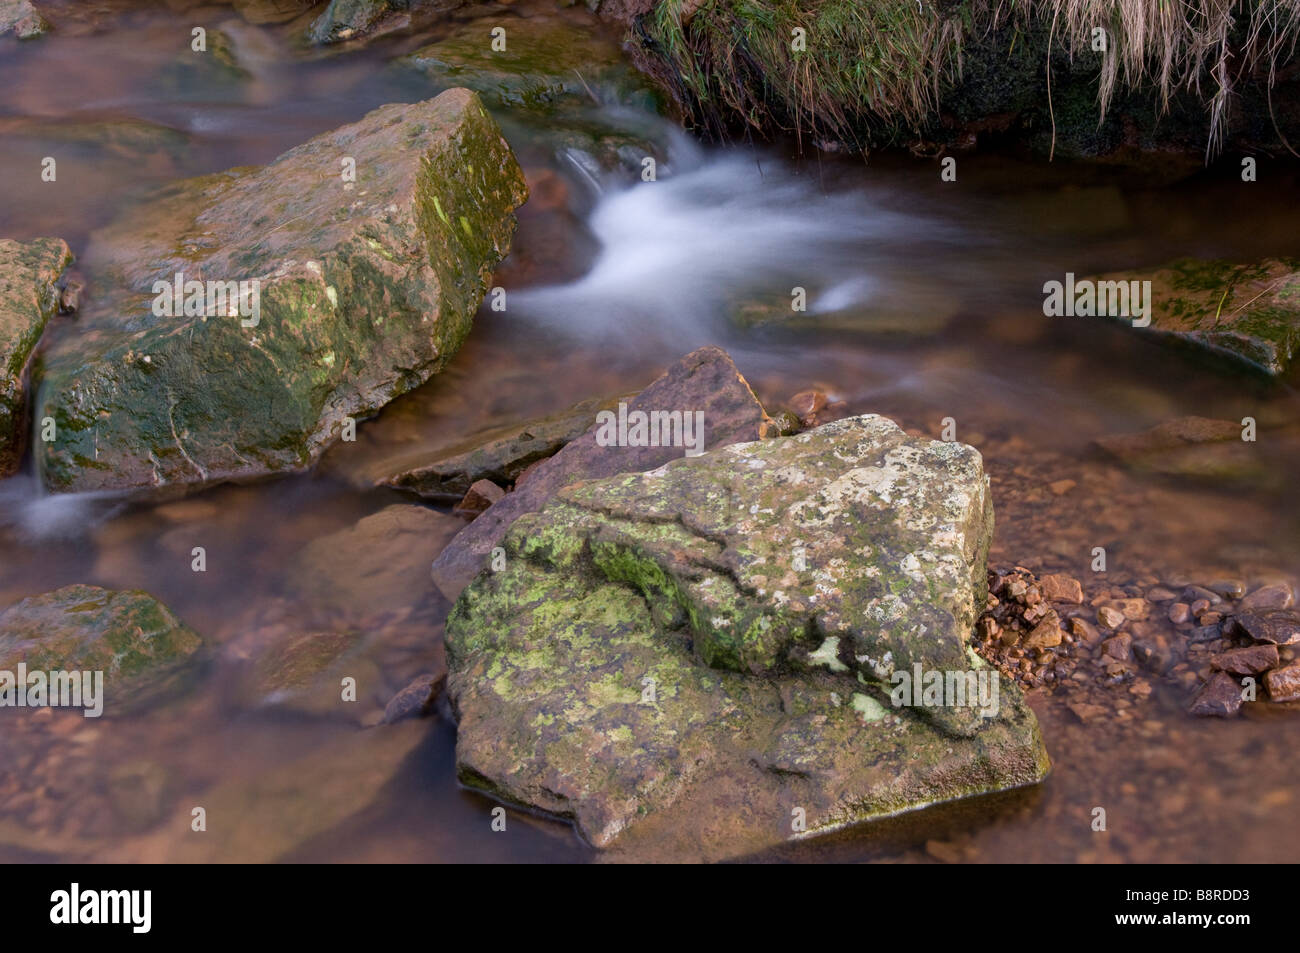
(143, 650)
(238, 320)
(706, 658)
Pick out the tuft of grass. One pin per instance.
(885, 63)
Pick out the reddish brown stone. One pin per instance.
(1219, 697)
(1283, 683)
(1248, 661)
(481, 495)
(1058, 587)
(1279, 626)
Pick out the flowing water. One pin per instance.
(924, 302)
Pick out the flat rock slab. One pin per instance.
(365, 290)
(500, 455)
(693, 658)
(706, 380)
(29, 297)
(140, 646)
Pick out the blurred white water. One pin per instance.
(678, 253)
(36, 515)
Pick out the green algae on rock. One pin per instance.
(366, 288)
(29, 297)
(1249, 313)
(143, 650)
(699, 650)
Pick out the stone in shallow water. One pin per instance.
(379, 563)
(499, 455)
(697, 655)
(22, 19)
(366, 289)
(1196, 447)
(1250, 313)
(29, 297)
(143, 650)
(1279, 626)
(1220, 697)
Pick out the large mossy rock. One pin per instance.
(694, 652)
(366, 288)
(1248, 313)
(143, 650)
(29, 297)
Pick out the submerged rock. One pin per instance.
(351, 294)
(22, 19)
(1250, 313)
(704, 381)
(698, 654)
(1193, 447)
(1220, 697)
(304, 673)
(29, 297)
(380, 562)
(140, 646)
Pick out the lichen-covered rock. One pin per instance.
(705, 381)
(140, 646)
(697, 651)
(365, 289)
(29, 297)
(1250, 313)
(22, 19)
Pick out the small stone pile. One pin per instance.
(1048, 632)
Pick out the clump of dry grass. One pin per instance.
(1172, 44)
(886, 62)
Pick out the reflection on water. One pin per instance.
(923, 302)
